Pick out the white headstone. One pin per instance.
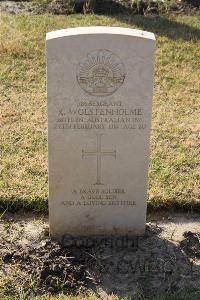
(99, 84)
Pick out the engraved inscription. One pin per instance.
(101, 73)
(100, 115)
(99, 153)
(99, 196)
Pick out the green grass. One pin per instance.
(174, 141)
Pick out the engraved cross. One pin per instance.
(99, 153)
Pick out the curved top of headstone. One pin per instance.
(100, 30)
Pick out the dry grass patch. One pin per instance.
(174, 143)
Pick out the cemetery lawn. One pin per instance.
(173, 170)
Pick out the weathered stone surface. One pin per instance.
(99, 84)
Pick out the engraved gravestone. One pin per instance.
(99, 84)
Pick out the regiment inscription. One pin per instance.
(99, 87)
(100, 116)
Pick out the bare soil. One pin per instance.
(16, 7)
(165, 259)
(108, 7)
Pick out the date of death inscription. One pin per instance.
(99, 115)
(98, 197)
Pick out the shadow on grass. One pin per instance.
(40, 205)
(13, 204)
(173, 205)
(159, 24)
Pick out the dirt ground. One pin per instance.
(165, 259)
(188, 7)
(15, 7)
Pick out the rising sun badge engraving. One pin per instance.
(101, 73)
